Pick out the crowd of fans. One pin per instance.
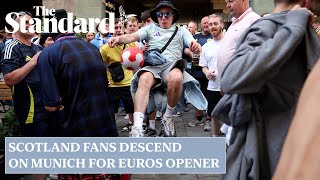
(247, 78)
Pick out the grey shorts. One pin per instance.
(160, 72)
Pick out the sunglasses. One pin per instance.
(167, 15)
(21, 13)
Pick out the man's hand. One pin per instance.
(298, 7)
(34, 59)
(195, 47)
(145, 47)
(210, 75)
(113, 41)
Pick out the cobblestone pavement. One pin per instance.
(183, 130)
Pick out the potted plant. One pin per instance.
(9, 127)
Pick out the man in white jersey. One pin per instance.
(208, 62)
(170, 74)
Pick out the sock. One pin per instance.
(152, 124)
(169, 111)
(138, 119)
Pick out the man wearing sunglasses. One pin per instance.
(170, 74)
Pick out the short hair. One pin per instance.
(97, 26)
(145, 15)
(192, 22)
(216, 16)
(117, 20)
(133, 19)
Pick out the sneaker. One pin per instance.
(127, 127)
(168, 125)
(186, 109)
(178, 114)
(150, 132)
(160, 134)
(207, 126)
(144, 128)
(136, 132)
(195, 122)
(126, 117)
(158, 115)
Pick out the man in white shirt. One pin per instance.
(208, 62)
(243, 17)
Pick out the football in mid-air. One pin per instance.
(132, 58)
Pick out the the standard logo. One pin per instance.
(78, 25)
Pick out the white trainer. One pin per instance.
(136, 132)
(168, 124)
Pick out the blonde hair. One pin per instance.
(216, 16)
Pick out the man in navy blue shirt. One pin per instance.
(196, 71)
(18, 63)
(74, 77)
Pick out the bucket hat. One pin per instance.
(165, 3)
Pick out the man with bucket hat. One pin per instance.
(170, 75)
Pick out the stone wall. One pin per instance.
(262, 6)
(69, 5)
(79, 8)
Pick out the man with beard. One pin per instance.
(208, 62)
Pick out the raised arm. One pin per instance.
(123, 39)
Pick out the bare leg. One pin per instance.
(215, 126)
(174, 86)
(141, 99)
(198, 113)
(174, 90)
(131, 118)
(153, 114)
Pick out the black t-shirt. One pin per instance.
(196, 71)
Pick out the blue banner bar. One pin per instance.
(179, 155)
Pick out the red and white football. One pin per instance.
(132, 58)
